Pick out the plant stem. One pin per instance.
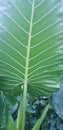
(26, 68)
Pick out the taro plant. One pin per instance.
(31, 50)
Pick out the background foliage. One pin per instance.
(53, 120)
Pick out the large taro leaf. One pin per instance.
(31, 45)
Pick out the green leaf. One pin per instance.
(1, 107)
(37, 125)
(31, 45)
(11, 124)
(57, 102)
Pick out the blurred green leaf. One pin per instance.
(11, 124)
(2, 109)
(57, 100)
(38, 123)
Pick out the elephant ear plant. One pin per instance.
(31, 50)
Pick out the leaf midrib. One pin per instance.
(28, 48)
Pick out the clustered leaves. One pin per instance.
(54, 117)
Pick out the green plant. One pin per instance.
(8, 105)
(54, 118)
(31, 49)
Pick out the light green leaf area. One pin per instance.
(31, 44)
(11, 124)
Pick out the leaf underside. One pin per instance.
(41, 35)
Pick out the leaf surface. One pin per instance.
(31, 39)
